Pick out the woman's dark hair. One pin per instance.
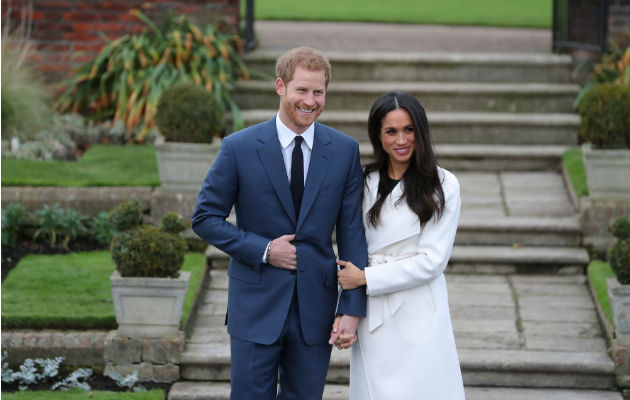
(422, 188)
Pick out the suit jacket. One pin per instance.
(406, 348)
(249, 174)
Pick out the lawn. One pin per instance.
(507, 13)
(598, 271)
(71, 291)
(574, 164)
(156, 394)
(101, 165)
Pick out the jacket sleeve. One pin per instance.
(351, 237)
(216, 198)
(434, 248)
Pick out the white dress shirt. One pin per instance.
(287, 141)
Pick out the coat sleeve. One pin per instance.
(433, 251)
(216, 198)
(351, 237)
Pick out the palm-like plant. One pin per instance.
(124, 81)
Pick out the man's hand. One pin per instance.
(344, 331)
(282, 253)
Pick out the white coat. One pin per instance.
(406, 348)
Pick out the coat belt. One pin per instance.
(387, 303)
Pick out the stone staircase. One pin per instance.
(525, 325)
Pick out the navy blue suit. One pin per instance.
(250, 175)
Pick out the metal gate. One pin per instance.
(580, 24)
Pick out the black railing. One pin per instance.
(580, 24)
(250, 41)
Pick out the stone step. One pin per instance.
(517, 259)
(460, 127)
(431, 66)
(434, 96)
(519, 231)
(488, 259)
(480, 367)
(480, 157)
(186, 390)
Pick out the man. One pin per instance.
(282, 295)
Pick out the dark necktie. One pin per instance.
(297, 174)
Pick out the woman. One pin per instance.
(405, 347)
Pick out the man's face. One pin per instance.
(302, 99)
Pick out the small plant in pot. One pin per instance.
(619, 287)
(148, 287)
(189, 119)
(605, 129)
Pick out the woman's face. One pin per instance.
(398, 137)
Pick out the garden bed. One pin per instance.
(72, 291)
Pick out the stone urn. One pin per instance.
(182, 167)
(607, 171)
(149, 307)
(619, 296)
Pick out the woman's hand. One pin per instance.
(350, 276)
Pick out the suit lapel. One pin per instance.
(273, 163)
(317, 169)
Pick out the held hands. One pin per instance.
(282, 253)
(344, 331)
(350, 276)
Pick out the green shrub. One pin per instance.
(126, 215)
(145, 250)
(148, 251)
(188, 113)
(614, 67)
(172, 222)
(59, 226)
(13, 217)
(605, 116)
(100, 229)
(125, 80)
(619, 253)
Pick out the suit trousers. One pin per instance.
(302, 368)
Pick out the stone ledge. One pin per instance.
(80, 348)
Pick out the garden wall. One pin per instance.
(619, 22)
(63, 27)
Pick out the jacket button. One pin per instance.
(293, 272)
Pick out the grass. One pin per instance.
(71, 291)
(101, 165)
(574, 164)
(155, 394)
(598, 271)
(529, 14)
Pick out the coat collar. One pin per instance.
(398, 222)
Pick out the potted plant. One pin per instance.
(619, 287)
(148, 288)
(188, 119)
(605, 128)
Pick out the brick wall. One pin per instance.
(619, 22)
(62, 28)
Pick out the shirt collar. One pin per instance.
(286, 135)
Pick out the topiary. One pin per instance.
(126, 215)
(172, 222)
(605, 116)
(619, 253)
(188, 113)
(146, 250)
